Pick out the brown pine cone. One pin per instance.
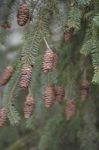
(3, 117)
(49, 96)
(70, 109)
(84, 89)
(26, 73)
(50, 61)
(85, 84)
(68, 35)
(23, 14)
(29, 105)
(60, 93)
(6, 75)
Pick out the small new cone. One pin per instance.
(84, 87)
(6, 75)
(26, 73)
(70, 109)
(3, 117)
(68, 35)
(60, 93)
(49, 96)
(23, 14)
(29, 106)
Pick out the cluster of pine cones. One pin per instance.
(57, 93)
(53, 93)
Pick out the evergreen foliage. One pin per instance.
(83, 2)
(53, 131)
(74, 18)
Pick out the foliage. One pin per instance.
(49, 126)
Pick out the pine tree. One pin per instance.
(57, 67)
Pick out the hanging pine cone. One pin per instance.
(68, 35)
(25, 78)
(84, 89)
(3, 117)
(84, 86)
(70, 109)
(50, 61)
(23, 14)
(60, 93)
(29, 105)
(49, 96)
(6, 75)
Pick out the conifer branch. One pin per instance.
(34, 38)
(74, 18)
(13, 115)
(9, 96)
(84, 2)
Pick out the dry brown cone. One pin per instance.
(68, 35)
(3, 117)
(6, 75)
(49, 96)
(50, 61)
(84, 87)
(60, 93)
(70, 109)
(29, 106)
(84, 90)
(23, 14)
(26, 73)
